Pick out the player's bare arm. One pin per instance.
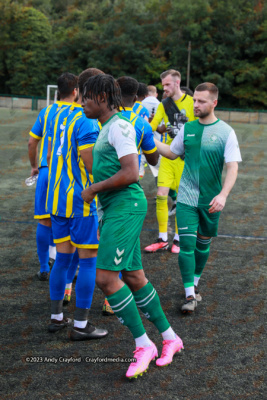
(152, 158)
(48, 157)
(128, 174)
(33, 154)
(87, 156)
(218, 202)
(165, 151)
(161, 129)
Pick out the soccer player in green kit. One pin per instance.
(206, 143)
(124, 206)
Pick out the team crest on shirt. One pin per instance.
(213, 138)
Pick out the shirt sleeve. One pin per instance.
(122, 137)
(232, 150)
(145, 112)
(37, 129)
(177, 145)
(87, 134)
(148, 144)
(158, 117)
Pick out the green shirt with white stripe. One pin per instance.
(206, 147)
(116, 139)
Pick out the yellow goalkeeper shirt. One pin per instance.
(186, 106)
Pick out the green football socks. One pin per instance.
(123, 304)
(148, 301)
(186, 259)
(202, 252)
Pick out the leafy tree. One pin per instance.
(227, 47)
(129, 42)
(41, 39)
(24, 58)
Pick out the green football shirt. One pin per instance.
(116, 139)
(206, 147)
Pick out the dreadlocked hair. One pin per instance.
(101, 85)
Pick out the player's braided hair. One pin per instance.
(103, 85)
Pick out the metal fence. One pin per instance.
(226, 114)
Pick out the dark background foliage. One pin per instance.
(41, 39)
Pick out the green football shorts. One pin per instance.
(191, 220)
(119, 244)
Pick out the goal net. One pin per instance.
(51, 94)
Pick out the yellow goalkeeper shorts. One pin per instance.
(170, 172)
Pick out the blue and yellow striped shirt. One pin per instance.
(70, 133)
(41, 127)
(144, 134)
(140, 110)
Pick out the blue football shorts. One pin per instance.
(81, 231)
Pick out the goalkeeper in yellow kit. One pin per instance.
(176, 110)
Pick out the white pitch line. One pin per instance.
(263, 238)
(242, 237)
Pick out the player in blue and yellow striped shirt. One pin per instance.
(67, 90)
(144, 134)
(138, 107)
(72, 132)
(74, 222)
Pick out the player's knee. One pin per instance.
(162, 191)
(203, 237)
(135, 279)
(187, 243)
(45, 222)
(106, 281)
(203, 244)
(101, 280)
(87, 253)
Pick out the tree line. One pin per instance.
(40, 39)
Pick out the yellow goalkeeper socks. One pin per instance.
(162, 213)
